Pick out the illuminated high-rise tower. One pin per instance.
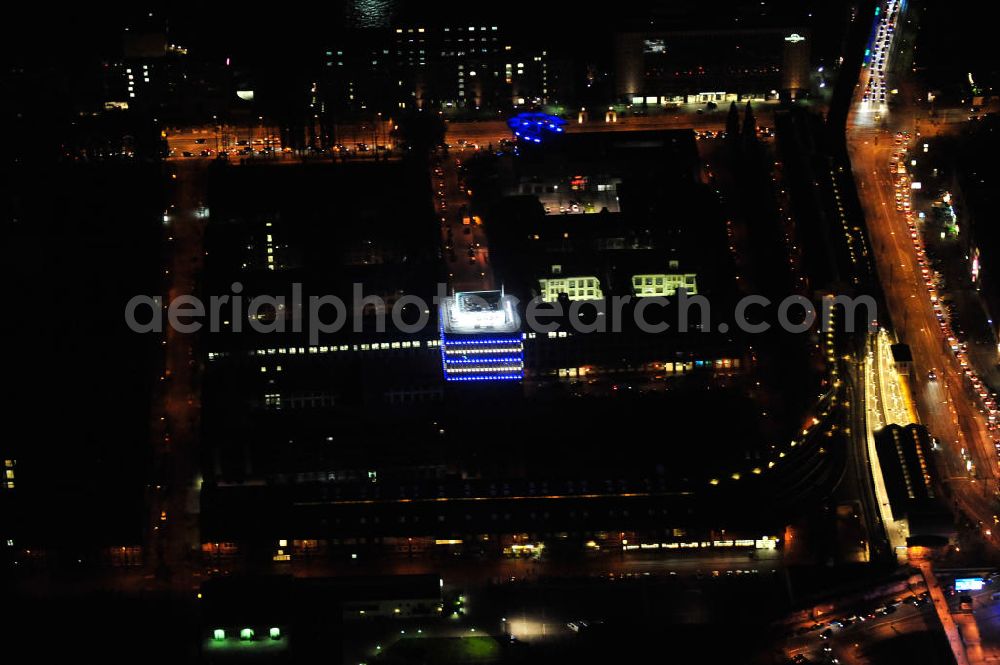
(481, 337)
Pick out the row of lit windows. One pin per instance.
(472, 28)
(385, 346)
(303, 350)
(679, 367)
(513, 367)
(553, 293)
(575, 288)
(611, 512)
(131, 79)
(924, 470)
(902, 464)
(663, 285)
(299, 401)
(492, 349)
(270, 247)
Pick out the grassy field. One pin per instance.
(444, 650)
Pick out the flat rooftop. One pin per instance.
(475, 312)
(479, 301)
(901, 353)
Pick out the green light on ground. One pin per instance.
(246, 634)
(219, 634)
(275, 633)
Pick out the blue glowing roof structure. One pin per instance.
(533, 127)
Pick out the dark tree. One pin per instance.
(421, 132)
(749, 129)
(733, 128)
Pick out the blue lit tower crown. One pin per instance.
(481, 337)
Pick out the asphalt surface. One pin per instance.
(944, 404)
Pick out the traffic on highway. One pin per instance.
(947, 395)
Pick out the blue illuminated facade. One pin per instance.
(533, 127)
(482, 357)
(481, 338)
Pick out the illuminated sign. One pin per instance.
(795, 38)
(969, 584)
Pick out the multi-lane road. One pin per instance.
(943, 401)
(173, 494)
(484, 133)
(263, 142)
(463, 238)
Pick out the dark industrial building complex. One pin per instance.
(394, 333)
